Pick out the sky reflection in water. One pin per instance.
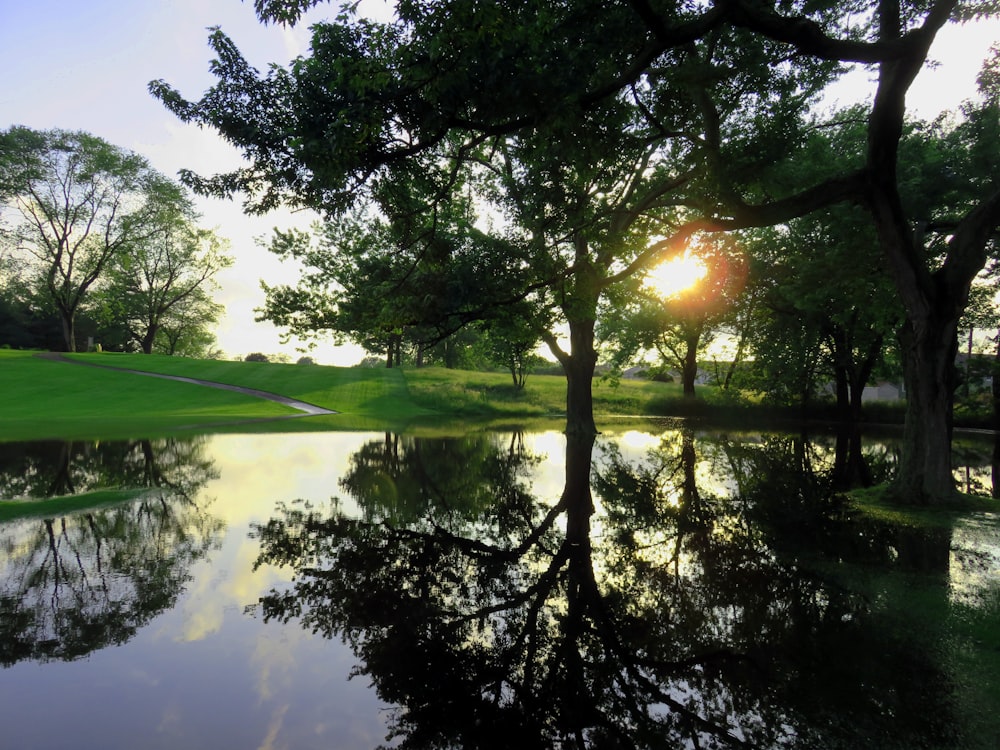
(702, 601)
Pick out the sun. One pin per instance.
(675, 276)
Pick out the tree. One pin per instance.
(677, 323)
(828, 312)
(721, 84)
(187, 329)
(510, 339)
(79, 583)
(79, 203)
(411, 279)
(582, 189)
(154, 280)
(479, 604)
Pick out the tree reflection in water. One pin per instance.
(78, 583)
(673, 617)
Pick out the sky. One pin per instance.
(86, 66)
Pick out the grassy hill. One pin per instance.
(51, 399)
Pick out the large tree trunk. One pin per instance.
(148, 338)
(68, 330)
(857, 394)
(392, 353)
(173, 337)
(933, 302)
(844, 371)
(995, 468)
(995, 385)
(850, 469)
(860, 374)
(928, 346)
(580, 308)
(579, 368)
(62, 480)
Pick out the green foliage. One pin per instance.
(158, 290)
(79, 205)
(510, 338)
(678, 327)
(410, 282)
(604, 137)
(827, 295)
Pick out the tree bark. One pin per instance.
(995, 469)
(148, 338)
(929, 346)
(580, 308)
(579, 368)
(843, 391)
(392, 350)
(850, 469)
(68, 330)
(932, 299)
(995, 385)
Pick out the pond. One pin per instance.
(659, 586)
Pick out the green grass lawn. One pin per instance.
(493, 394)
(49, 399)
(53, 399)
(46, 399)
(352, 391)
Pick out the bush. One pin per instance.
(256, 357)
(550, 368)
(660, 375)
(305, 361)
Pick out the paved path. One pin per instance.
(307, 409)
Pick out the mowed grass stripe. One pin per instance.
(41, 398)
(348, 390)
(48, 388)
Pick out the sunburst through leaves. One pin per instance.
(676, 276)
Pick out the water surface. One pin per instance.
(656, 587)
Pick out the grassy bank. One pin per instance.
(51, 399)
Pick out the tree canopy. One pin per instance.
(78, 202)
(95, 229)
(163, 279)
(608, 136)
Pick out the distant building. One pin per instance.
(882, 391)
